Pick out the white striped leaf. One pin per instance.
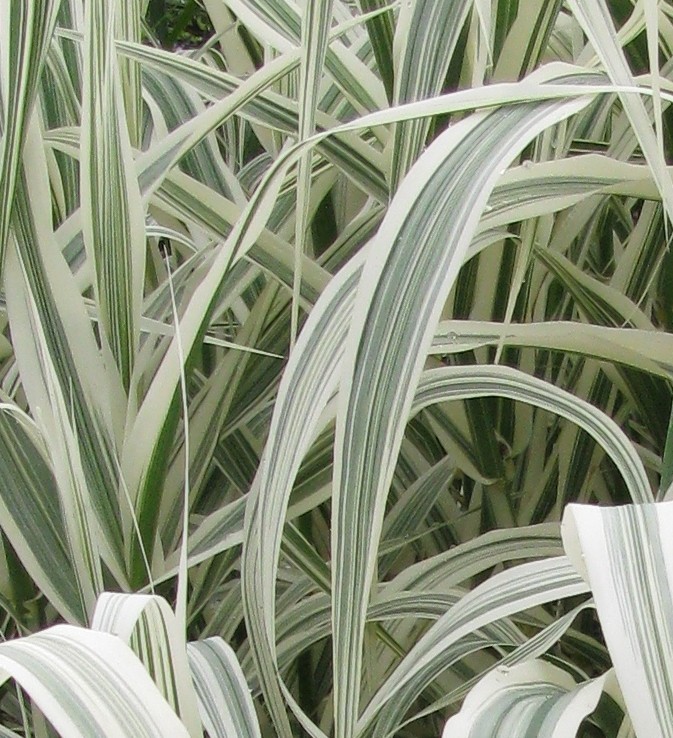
(224, 529)
(173, 104)
(301, 553)
(113, 219)
(207, 414)
(483, 10)
(150, 628)
(458, 101)
(427, 34)
(271, 543)
(60, 109)
(197, 203)
(454, 341)
(218, 532)
(381, 29)
(143, 456)
(500, 596)
(358, 160)
(315, 25)
(625, 555)
(278, 22)
(154, 164)
(258, 420)
(534, 699)
(621, 346)
(308, 622)
(224, 698)
(43, 291)
(32, 518)
(88, 683)
(460, 563)
(415, 258)
(56, 424)
(524, 39)
(309, 382)
(534, 189)
(406, 516)
(128, 21)
(533, 648)
(438, 385)
(7, 733)
(601, 303)
(26, 29)
(216, 280)
(597, 23)
(466, 382)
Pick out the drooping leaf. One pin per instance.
(89, 683)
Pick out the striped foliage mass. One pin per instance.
(335, 386)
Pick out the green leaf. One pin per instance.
(31, 512)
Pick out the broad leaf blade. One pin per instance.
(80, 678)
(534, 699)
(149, 626)
(625, 555)
(32, 516)
(50, 320)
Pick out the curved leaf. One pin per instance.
(89, 683)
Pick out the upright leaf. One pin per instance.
(113, 221)
(51, 327)
(59, 431)
(625, 555)
(32, 516)
(427, 36)
(315, 26)
(381, 29)
(150, 628)
(413, 262)
(597, 23)
(226, 707)
(26, 27)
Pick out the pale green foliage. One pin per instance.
(419, 257)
